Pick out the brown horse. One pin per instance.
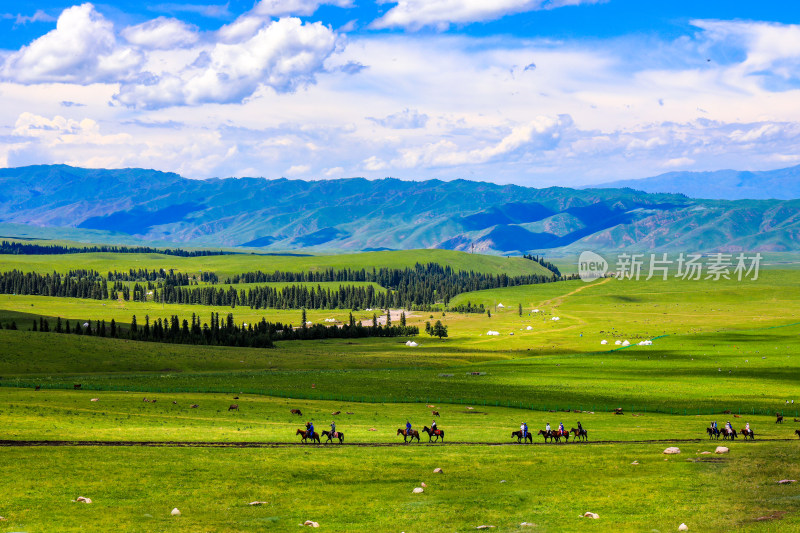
(339, 435)
(778, 418)
(579, 434)
(308, 435)
(297, 412)
(748, 433)
(546, 435)
(728, 433)
(433, 433)
(413, 434)
(713, 433)
(518, 434)
(558, 434)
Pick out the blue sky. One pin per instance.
(534, 92)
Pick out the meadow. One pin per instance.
(716, 346)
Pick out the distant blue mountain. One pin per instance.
(358, 214)
(781, 184)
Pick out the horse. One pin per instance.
(728, 433)
(558, 434)
(308, 435)
(413, 434)
(297, 412)
(433, 433)
(547, 434)
(339, 435)
(748, 433)
(778, 418)
(234, 406)
(713, 433)
(579, 434)
(518, 434)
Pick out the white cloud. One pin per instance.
(161, 33)
(82, 49)
(405, 119)
(416, 14)
(63, 131)
(283, 55)
(38, 16)
(297, 170)
(280, 8)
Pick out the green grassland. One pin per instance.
(717, 345)
(229, 265)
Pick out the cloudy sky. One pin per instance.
(534, 92)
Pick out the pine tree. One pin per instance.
(439, 329)
(520, 310)
(403, 318)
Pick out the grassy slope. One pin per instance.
(228, 265)
(717, 355)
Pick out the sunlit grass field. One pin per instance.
(717, 346)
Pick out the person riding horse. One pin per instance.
(333, 429)
(408, 427)
(561, 428)
(433, 427)
(310, 429)
(524, 429)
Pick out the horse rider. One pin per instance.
(580, 428)
(547, 427)
(408, 428)
(747, 427)
(524, 429)
(728, 426)
(433, 427)
(561, 428)
(333, 429)
(714, 425)
(310, 429)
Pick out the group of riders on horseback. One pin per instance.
(410, 434)
(310, 434)
(554, 435)
(728, 432)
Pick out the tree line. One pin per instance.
(20, 248)
(220, 332)
(417, 288)
(547, 264)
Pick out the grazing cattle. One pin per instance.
(234, 406)
(618, 411)
(297, 412)
(435, 413)
(349, 413)
(76, 386)
(737, 416)
(38, 387)
(145, 400)
(336, 413)
(778, 418)
(153, 401)
(235, 397)
(174, 403)
(518, 434)
(194, 406)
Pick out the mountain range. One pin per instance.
(358, 214)
(781, 184)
